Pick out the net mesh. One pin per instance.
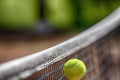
(96, 56)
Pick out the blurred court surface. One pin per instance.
(15, 47)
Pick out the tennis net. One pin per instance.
(91, 46)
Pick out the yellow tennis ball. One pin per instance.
(74, 69)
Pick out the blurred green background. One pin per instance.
(59, 15)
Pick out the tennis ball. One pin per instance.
(74, 69)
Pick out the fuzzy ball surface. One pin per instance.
(74, 69)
